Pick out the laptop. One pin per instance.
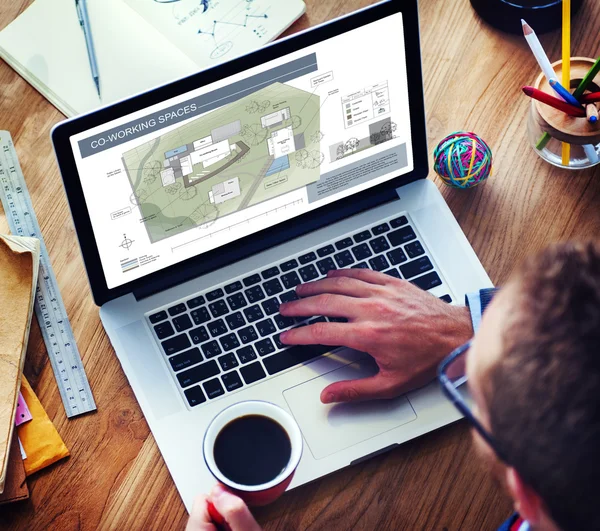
(200, 206)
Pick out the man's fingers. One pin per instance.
(366, 275)
(325, 304)
(370, 388)
(199, 518)
(340, 285)
(330, 334)
(233, 509)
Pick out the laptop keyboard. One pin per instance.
(227, 338)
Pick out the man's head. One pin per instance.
(534, 372)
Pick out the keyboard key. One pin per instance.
(273, 287)
(397, 256)
(325, 251)
(251, 280)
(182, 323)
(306, 258)
(228, 362)
(164, 330)
(278, 343)
(214, 295)
(186, 359)
(199, 335)
(200, 316)
(289, 265)
(176, 310)
(158, 317)
(360, 265)
(218, 308)
(270, 273)
(248, 334)
(446, 298)
(211, 349)
(290, 280)
(361, 251)
(400, 236)
(232, 288)
(344, 244)
(362, 236)
(198, 374)
(232, 381)
(393, 273)
(236, 301)
(414, 249)
(428, 281)
(271, 306)
(195, 396)
(246, 354)
(379, 263)
(283, 322)
(254, 313)
(229, 342)
(380, 229)
(289, 296)
(265, 347)
(217, 328)
(398, 222)
(195, 302)
(344, 259)
(416, 267)
(294, 356)
(308, 273)
(266, 327)
(326, 265)
(235, 320)
(255, 294)
(253, 372)
(213, 388)
(176, 344)
(379, 245)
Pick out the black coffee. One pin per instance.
(252, 450)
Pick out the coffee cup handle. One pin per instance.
(217, 518)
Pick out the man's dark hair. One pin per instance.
(544, 393)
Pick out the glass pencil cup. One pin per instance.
(549, 128)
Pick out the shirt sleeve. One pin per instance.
(477, 303)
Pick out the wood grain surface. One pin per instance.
(116, 478)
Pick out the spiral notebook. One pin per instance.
(139, 44)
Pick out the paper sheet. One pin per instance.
(23, 414)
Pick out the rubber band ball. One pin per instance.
(463, 160)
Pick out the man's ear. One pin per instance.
(527, 502)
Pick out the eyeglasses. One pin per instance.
(453, 379)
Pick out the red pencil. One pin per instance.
(590, 98)
(546, 98)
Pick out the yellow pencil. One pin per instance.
(566, 65)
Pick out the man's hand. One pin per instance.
(408, 331)
(234, 511)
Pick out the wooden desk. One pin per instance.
(116, 478)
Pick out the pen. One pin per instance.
(84, 20)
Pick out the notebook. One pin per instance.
(139, 44)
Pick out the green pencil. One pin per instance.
(589, 77)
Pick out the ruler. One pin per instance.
(49, 307)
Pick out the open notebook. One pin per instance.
(139, 44)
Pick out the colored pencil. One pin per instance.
(538, 51)
(592, 97)
(591, 112)
(589, 77)
(566, 65)
(548, 99)
(591, 153)
(564, 93)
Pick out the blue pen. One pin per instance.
(564, 93)
(84, 20)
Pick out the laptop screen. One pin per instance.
(253, 150)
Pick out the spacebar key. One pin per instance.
(294, 356)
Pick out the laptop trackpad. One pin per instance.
(329, 428)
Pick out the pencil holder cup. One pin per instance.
(549, 128)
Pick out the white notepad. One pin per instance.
(139, 44)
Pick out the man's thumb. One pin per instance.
(356, 390)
